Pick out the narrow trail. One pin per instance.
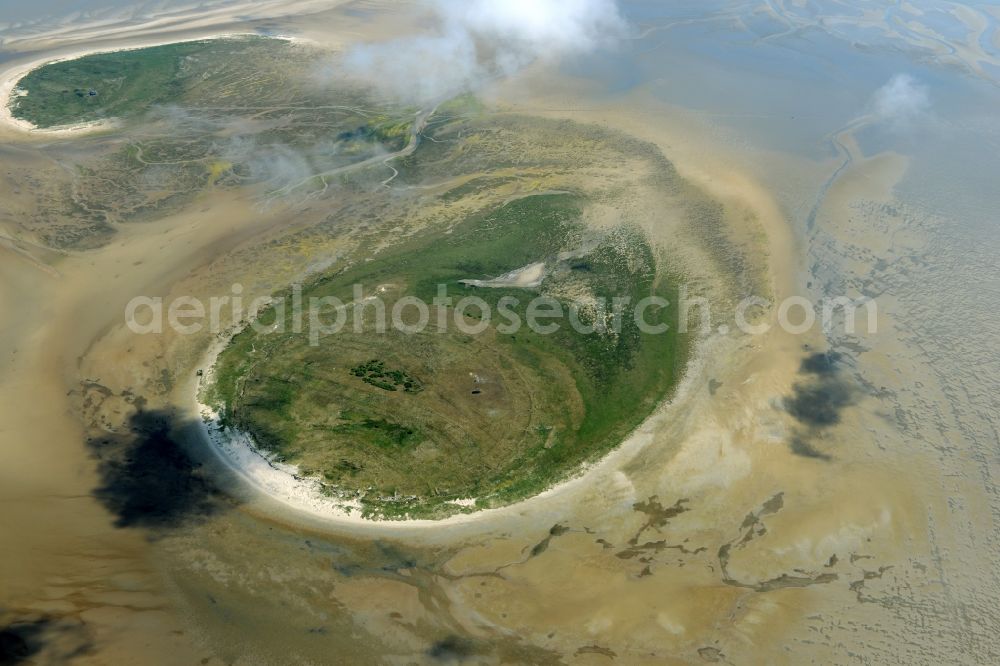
(415, 131)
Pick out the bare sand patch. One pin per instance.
(523, 278)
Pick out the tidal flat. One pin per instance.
(744, 517)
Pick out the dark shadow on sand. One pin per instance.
(34, 638)
(818, 401)
(20, 641)
(149, 480)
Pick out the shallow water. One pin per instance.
(891, 472)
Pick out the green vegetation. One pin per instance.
(373, 372)
(103, 85)
(443, 414)
(217, 78)
(199, 116)
(408, 423)
(380, 432)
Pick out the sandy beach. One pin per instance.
(286, 493)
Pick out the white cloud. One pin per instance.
(901, 101)
(479, 39)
